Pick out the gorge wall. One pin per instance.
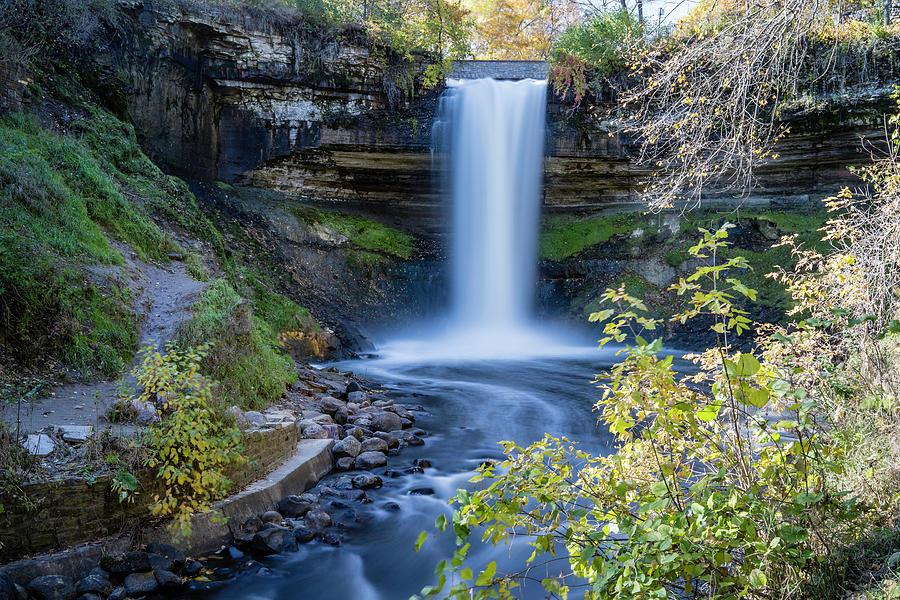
(334, 121)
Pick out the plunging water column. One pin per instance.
(496, 149)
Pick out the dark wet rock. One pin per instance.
(223, 572)
(292, 506)
(392, 506)
(168, 580)
(392, 440)
(332, 538)
(419, 432)
(386, 421)
(393, 452)
(120, 593)
(358, 496)
(309, 497)
(422, 491)
(191, 567)
(414, 470)
(318, 519)
(159, 562)
(272, 516)
(90, 596)
(343, 483)
(233, 553)
(406, 423)
(344, 464)
(370, 460)
(365, 481)
(314, 431)
(422, 462)
(349, 446)
(169, 551)
(51, 587)
(273, 540)
(352, 387)
(93, 583)
(390, 473)
(375, 444)
(304, 534)
(252, 525)
(415, 441)
(130, 562)
(138, 584)
(330, 405)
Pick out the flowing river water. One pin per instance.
(486, 373)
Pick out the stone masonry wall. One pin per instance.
(45, 516)
(499, 69)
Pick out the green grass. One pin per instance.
(251, 369)
(565, 237)
(362, 233)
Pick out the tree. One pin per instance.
(521, 29)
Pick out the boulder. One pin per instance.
(120, 593)
(318, 519)
(374, 445)
(292, 506)
(252, 525)
(330, 405)
(356, 432)
(357, 397)
(169, 551)
(349, 446)
(386, 421)
(130, 562)
(334, 431)
(7, 588)
(344, 464)
(340, 415)
(159, 562)
(370, 460)
(314, 431)
(168, 580)
(273, 539)
(353, 387)
(76, 434)
(38, 444)
(422, 491)
(138, 584)
(304, 534)
(238, 415)
(192, 567)
(93, 583)
(392, 440)
(271, 516)
(332, 538)
(255, 418)
(365, 481)
(51, 587)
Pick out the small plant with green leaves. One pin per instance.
(703, 498)
(189, 448)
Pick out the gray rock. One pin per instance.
(349, 446)
(314, 431)
(386, 421)
(356, 432)
(120, 593)
(318, 519)
(130, 562)
(334, 431)
(272, 516)
(309, 497)
(90, 596)
(273, 540)
(257, 419)
(159, 562)
(252, 525)
(93, 583)
(76, 434)
(406, 423)
(51, 587)
(353, 388)
(38, 444)
(365, 481)
(344, 464)
(415, 441)
(374, 445)
(168, 580)
(8, 589)
(423, 491)
(330, 405)
(392, 440)
(137, 584)
(238, 415)
(370, 460)
(332, 538)
(292, 506)
(341, 415)
(304, 534)
(169, 551)
(357, 397)
(192, 567)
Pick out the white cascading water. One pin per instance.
(489, 140)
(495, 132)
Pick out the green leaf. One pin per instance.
(747, 365)
(487, 576)
(709, 411)
(758, 578)
(421, 540)
(466, 574)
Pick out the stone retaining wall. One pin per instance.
(45, 516)
(499, 69)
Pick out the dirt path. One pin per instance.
(164, 296)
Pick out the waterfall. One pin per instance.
(493, 135)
